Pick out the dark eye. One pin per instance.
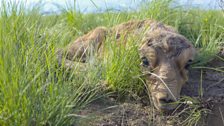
(145, 61)
(188, 64)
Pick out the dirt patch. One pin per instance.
(216, 118)
(205, 84)
(208, 81)
(123, 114)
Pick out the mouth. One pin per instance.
(165, 106)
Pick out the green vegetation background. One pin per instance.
(35, 91)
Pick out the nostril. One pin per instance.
(165, 100)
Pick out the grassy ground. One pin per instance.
(35, 91)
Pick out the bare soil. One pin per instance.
(139, 112)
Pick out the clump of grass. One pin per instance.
(194, 112)
(191, 111)
(122, 64)
(33, 90)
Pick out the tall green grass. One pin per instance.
(122, 66)
(34, 90)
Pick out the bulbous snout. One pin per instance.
(166, 90)
(165, 102)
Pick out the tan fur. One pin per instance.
(163, 50)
